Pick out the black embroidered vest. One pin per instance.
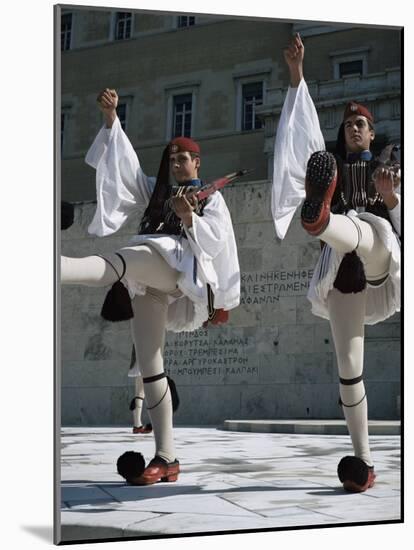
(355, 188)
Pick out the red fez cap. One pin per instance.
(354, 108)
(181, 144)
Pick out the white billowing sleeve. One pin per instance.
(395, 215)
(213, 243)
(122, 188)
(209, 232)
(298, 136)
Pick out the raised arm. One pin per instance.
(122, 188)
(294, 54)
(298, 136)
(108, 102)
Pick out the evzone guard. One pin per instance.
(352, 204)
(184, 253)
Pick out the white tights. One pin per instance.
(346, 314)
(148, 333)
(145, 266)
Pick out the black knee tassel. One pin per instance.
(117, 304)
(351, 274)
(174, 394)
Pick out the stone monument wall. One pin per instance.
(273, 360)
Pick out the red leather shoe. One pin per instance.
(321, 175)
(145, 429)
(355, 475)
(157, 470)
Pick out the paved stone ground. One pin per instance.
(314, 427)
(229, 481)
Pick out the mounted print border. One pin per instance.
(258, 432)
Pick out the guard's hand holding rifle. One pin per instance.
(184, 204)
(387, 175)
(385, 183)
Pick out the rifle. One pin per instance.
(209, 188)
(206, 190)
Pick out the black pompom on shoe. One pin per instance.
(355, 475)
(130, 465)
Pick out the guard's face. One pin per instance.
(358, 134)
(183, 167)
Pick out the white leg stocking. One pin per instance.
(346, 313)
(143, 264)
(148, 332)
(91, 271)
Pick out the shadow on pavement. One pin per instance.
(136, 493)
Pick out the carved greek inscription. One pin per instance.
(204, 353)
(267, 287)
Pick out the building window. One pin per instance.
(121, 111)
(182, 114)
(350, 62)
(350, 67)
(252, 97)
(181, 109)
(185, 21)
(123, 25)
(65, 31)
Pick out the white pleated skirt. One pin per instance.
(383, 300)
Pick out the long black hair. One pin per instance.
(340, 149)
(153, 213)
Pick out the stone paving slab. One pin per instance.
(229, 481)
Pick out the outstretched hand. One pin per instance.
(294, 55)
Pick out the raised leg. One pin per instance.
(143, 265)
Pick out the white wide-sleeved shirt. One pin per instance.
(124, 191)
